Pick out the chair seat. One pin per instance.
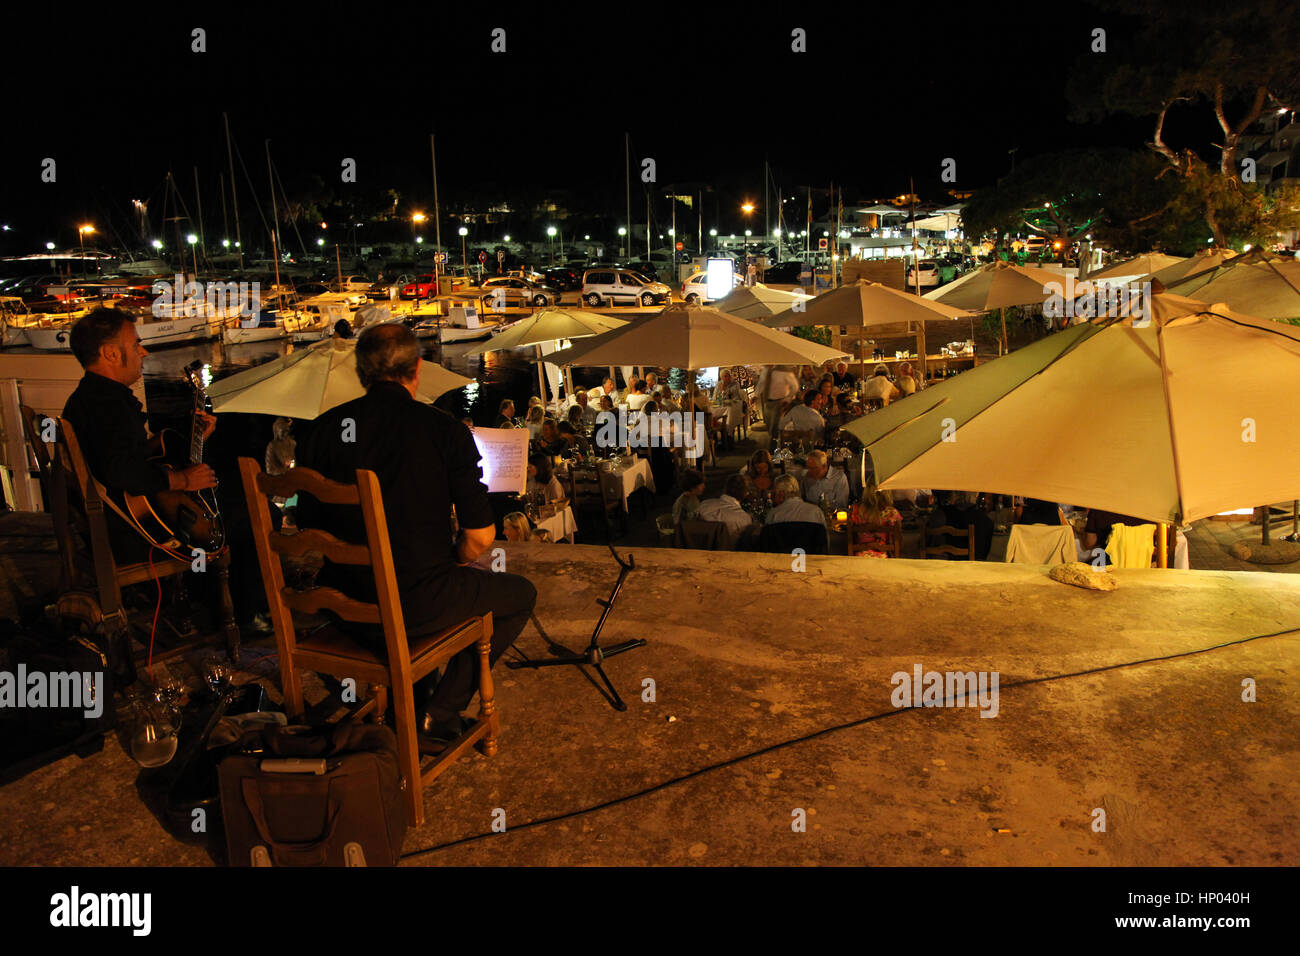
(428, 650)
(128, 574)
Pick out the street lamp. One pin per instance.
(464, 256)
(622, 246)
(193, 240)
(50, 245)
(81, 238)
(550, 231)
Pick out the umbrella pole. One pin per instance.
(1005, 345)
(541, 374)
(862, 356)
(1162, 553)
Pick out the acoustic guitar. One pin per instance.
(177, 522)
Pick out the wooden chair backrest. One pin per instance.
(271, 545)
(703, 535)
(54, 487)
(611, 488)
(894, 532)
(968, 533)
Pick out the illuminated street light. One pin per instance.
(464, 256)
(50, 245)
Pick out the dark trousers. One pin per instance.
(447, 600)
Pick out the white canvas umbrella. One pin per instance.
(1112, 415)
(865, 303)
(693, 338)
(758, 301)
(309, 382)
(545, 327)
(1264, 285)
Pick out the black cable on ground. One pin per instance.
(732, 761)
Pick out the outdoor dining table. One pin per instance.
(634, 474)
(561, 525)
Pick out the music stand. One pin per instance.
(595, 655)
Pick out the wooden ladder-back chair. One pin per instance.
(928, 550)
(407, 657)
(109, 576)
(894, 532)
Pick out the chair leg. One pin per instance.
(227, 608)
(408, 750)
(487, 707)
(291, 686)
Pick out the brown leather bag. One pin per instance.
(351, 814)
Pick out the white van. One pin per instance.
(620, 287)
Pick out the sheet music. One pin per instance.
(504, 458)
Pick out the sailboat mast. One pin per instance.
(275, 216)
(627, 172)
(234, 193)
(198, 198)
(437, 221)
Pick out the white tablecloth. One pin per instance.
(634, 476)
(560, 525)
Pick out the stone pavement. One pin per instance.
(746, 653)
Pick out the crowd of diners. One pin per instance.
(807, 482)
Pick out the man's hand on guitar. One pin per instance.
(206, 424)
(193, 478)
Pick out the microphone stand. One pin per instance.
(595, 655)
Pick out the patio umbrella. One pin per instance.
(1267, 286)
(997, 286)
(757, 301)
(692, 338)
(1112, 415)
(1142, 265)
(308, 382)
(546, 326)
(1201, 262)
(863, 303)
(695, 337)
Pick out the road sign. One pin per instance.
(440, 258)
(501, 255)
(482, 256)
(681, 246)
(823, 243)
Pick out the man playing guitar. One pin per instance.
(110, 423)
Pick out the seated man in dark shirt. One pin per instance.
(427, 463)
(110, 423)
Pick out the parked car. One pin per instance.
(510, 292)
(928, 271)
(422, 287)
(647, 270)
(564, 278)
(308, 289)
(1036, 245)
(622, 287)
(352, 284)
(695, 288)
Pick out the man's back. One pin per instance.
(425, 460)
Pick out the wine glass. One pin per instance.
(216, 671)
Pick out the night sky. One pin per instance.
(118, 98)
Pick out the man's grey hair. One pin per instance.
(788, 484)
(386, 353)
(816, 456)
